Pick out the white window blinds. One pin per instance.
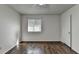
(34, 25)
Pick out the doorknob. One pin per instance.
(68, 32)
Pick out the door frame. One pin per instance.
(71, 31)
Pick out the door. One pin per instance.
(70, 31)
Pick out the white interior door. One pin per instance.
(68, 30)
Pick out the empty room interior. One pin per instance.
(39, 28)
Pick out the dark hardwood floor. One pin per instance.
(41, 48)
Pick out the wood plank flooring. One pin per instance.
(41, 48)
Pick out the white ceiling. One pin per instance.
(47, 9)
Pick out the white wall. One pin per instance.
(50, 28)
(9, 28)
(75, 27)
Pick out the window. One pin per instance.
(34, 25)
